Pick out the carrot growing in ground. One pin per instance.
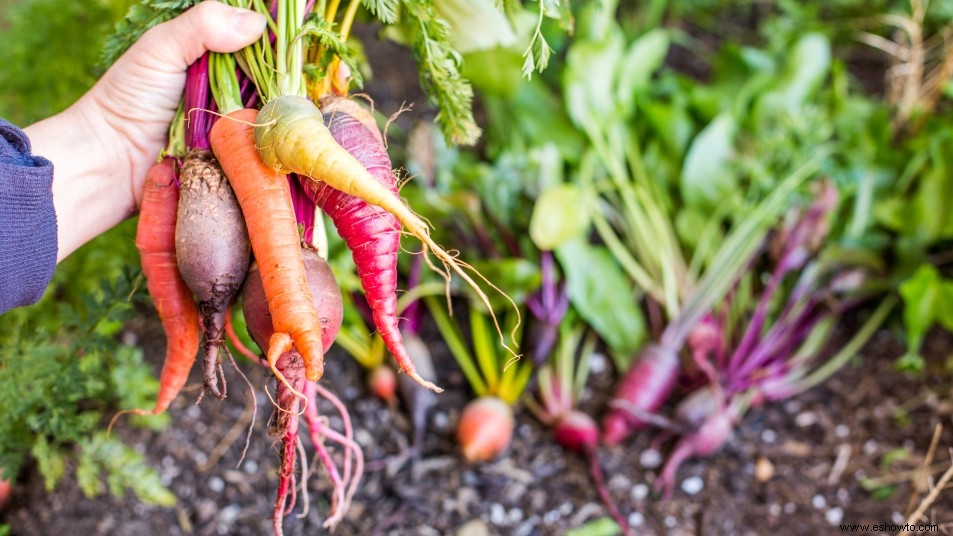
(211, 240)
(265, 198)
(155, 240)
(486, 425)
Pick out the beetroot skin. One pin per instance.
(212, 248)
(324, 291)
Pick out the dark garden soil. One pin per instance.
(793, 468)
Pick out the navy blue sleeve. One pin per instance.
(27, 221)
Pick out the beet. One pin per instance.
(324, 290)
(213, 251)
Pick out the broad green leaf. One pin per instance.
(707, 177)
(495, 71)
(643, 57)
(807, 65)
(588, 79)
(476, 24)
(561, 213)
(670, 123)
(926, 300)
(603, 296)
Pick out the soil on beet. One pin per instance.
(845, 452)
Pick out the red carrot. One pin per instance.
(370, 232)
(155, 240)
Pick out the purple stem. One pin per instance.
(198, 103)
(549, 305)
(782, 340)
(303, 207)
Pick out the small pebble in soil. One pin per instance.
(351, 392)
(193, 412)
(440, 420)
(216, 484)
(897, 518)
(790, 508)
(551, 517)
(229, 514)
(363, 437)
(640, 492)
(835, 515)
(497, 514)
(763, 469)
(619, 481)
(818, 501)
(524, 430)
(205, 509)
(470, 478)
(774, 509)
(515, 515)
(636, 519)
(251, 467)
(597, 363)
(565, 508)
(842, 431)
(805, 419)
(792, 406)
(768, 436)
(473, 527)
(650, 458)
(843, 495)
(671, 522)
(692, 485)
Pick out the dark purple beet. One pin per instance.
(213, 251)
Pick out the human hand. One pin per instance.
(104, 144)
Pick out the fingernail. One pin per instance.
(248, 22)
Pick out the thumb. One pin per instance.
(210, 25)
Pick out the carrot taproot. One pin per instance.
(370, 232)
(155, 240)
(292, 138)
(265, 199)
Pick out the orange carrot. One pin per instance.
(155, 240)
(265, 198)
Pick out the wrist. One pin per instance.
(90, 194)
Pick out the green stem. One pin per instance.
(224, 83)
(483, 343)
(851, 348)
(454, 340)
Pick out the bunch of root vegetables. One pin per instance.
(268, 144)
